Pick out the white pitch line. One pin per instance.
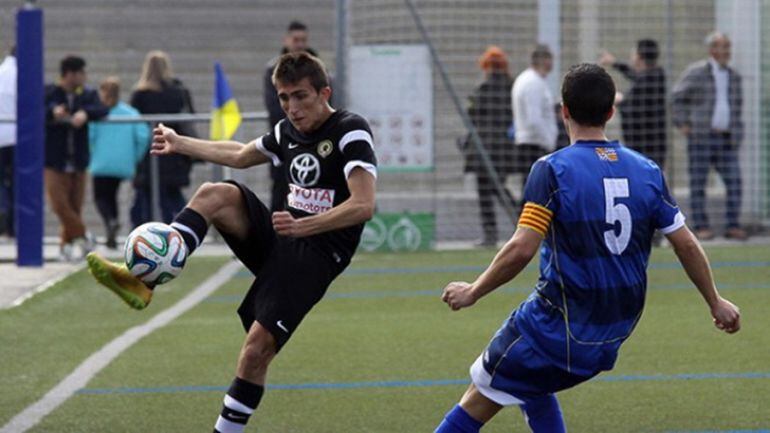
(76, 380)
(41, 288)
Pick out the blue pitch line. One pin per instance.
(414, 384)
(445, 269)
(685, 376)
(720, 431)
(457, 269)
(383, 294)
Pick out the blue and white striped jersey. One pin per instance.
(598, 204)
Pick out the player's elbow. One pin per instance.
(363, 210)
(366, 211)
(239, 160)
(240, 163)
(522, 256)
(244, 157)
(524, 248)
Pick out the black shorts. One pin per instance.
(292, 274)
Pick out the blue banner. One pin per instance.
(30, 115)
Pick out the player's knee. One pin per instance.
(256, 355)
(215, 196)
(207, 191)
(258, 350)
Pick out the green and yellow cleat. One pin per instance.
(118, 279)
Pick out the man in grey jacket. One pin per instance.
(707, 109)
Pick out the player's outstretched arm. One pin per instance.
(230, 153)
(509, 261)
(358, 208)
(727, 316)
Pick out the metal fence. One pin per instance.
(257, 177)
(576, 31)
(458, 32)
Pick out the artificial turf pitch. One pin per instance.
(381, 353)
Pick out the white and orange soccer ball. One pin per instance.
(155, 253)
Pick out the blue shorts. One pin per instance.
(511, 372)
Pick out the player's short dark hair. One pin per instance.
(296, 26)
(648, 50)
(539, 53)
(588, 92)
(71, 64)
(294, 67)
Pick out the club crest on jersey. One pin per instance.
(305, 170)
(325, 148)
(607, 154)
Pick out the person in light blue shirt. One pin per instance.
(591, 210)
(116, 149)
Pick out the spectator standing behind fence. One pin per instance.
(7, 141)
(159, 92)
(295, 40)
(69, 105)
(490, 112)
(643, 106)
(707, 109)
(533, 111)
(116, 149)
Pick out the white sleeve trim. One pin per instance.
(277, 131)
(261, 147)
(365, 165)
(357, 135)
(184, 228)
(676, 225)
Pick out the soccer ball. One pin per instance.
(155, 253)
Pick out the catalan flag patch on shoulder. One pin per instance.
(607, 154)
(536, 217)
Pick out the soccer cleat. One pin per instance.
(118, 279)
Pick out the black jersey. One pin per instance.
(316, 167)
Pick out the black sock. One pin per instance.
(192, 226)
(240, 402)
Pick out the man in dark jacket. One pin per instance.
(69, 107)
(294, 41)
(643, 107)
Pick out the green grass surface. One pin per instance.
(385, 326)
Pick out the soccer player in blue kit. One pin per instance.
(596, 204)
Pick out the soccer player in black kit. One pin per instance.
(330, 165)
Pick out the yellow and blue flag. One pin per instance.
(225, 115)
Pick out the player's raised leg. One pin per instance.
(473, 411)
(219, 204)
(544, 415)
(246, 390)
